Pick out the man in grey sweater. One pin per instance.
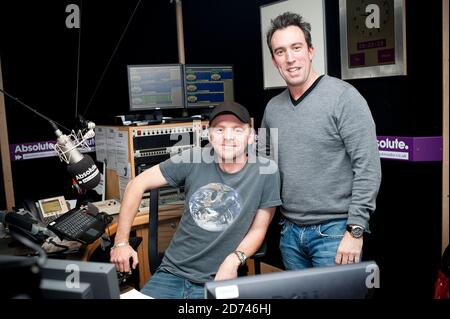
(327, 154)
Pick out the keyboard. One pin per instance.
(79, 225)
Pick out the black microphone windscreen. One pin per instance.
(85, 173)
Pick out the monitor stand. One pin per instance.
(139, 119)
(203, 112)
(157, 115)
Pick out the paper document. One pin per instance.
(134, 294)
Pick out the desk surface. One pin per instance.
(166, 213)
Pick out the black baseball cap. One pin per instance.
(230, 107)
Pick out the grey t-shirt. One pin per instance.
(219, 210)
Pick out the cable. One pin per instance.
(110, 59)
(32, 110)
(78, 61)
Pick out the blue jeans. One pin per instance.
(165, 285)
(311, 245)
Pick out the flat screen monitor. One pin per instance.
(353, 281)
(155, 87)
(70, 279)
(57, 279)
(208, 85)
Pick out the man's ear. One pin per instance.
(311, 53)
(209, 134)
(251, 136)
(251, 145)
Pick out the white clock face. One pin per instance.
(370, 32)
(362, 15)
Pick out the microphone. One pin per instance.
(24, 223)
(81, 167)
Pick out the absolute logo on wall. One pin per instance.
(414, 149)
(32, 150)
(392, 147)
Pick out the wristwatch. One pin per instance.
(242, 257)
(355, 230)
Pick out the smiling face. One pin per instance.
(292, 56)
(230, 137)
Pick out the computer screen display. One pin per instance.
(353, 281)
(208, 85)
(51, 206)
(154, 87)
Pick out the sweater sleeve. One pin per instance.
(357, 129)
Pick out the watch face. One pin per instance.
(241, 256)
(357, 232)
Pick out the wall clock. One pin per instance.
(372, 38)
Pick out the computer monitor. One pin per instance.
(353, 281)
(76, 279)
(26, 278)
(155, 87)
(208, 85)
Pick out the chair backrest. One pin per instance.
(153, 255)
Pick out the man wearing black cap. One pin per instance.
(230, 202)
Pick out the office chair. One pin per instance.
(258, 256)
(154, 258)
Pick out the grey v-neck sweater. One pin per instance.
(327, 154)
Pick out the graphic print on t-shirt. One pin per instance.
(215, 206)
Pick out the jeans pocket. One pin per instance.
(285, 224)
(333, 229)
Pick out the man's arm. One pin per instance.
(249, 245)
(122, 251)
(357, 130)
(349, 250)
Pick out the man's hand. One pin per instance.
(349, 250)
(228, 269)
(121, 257)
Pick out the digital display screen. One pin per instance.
(155, 87)
(208, 85)
(51, 206)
